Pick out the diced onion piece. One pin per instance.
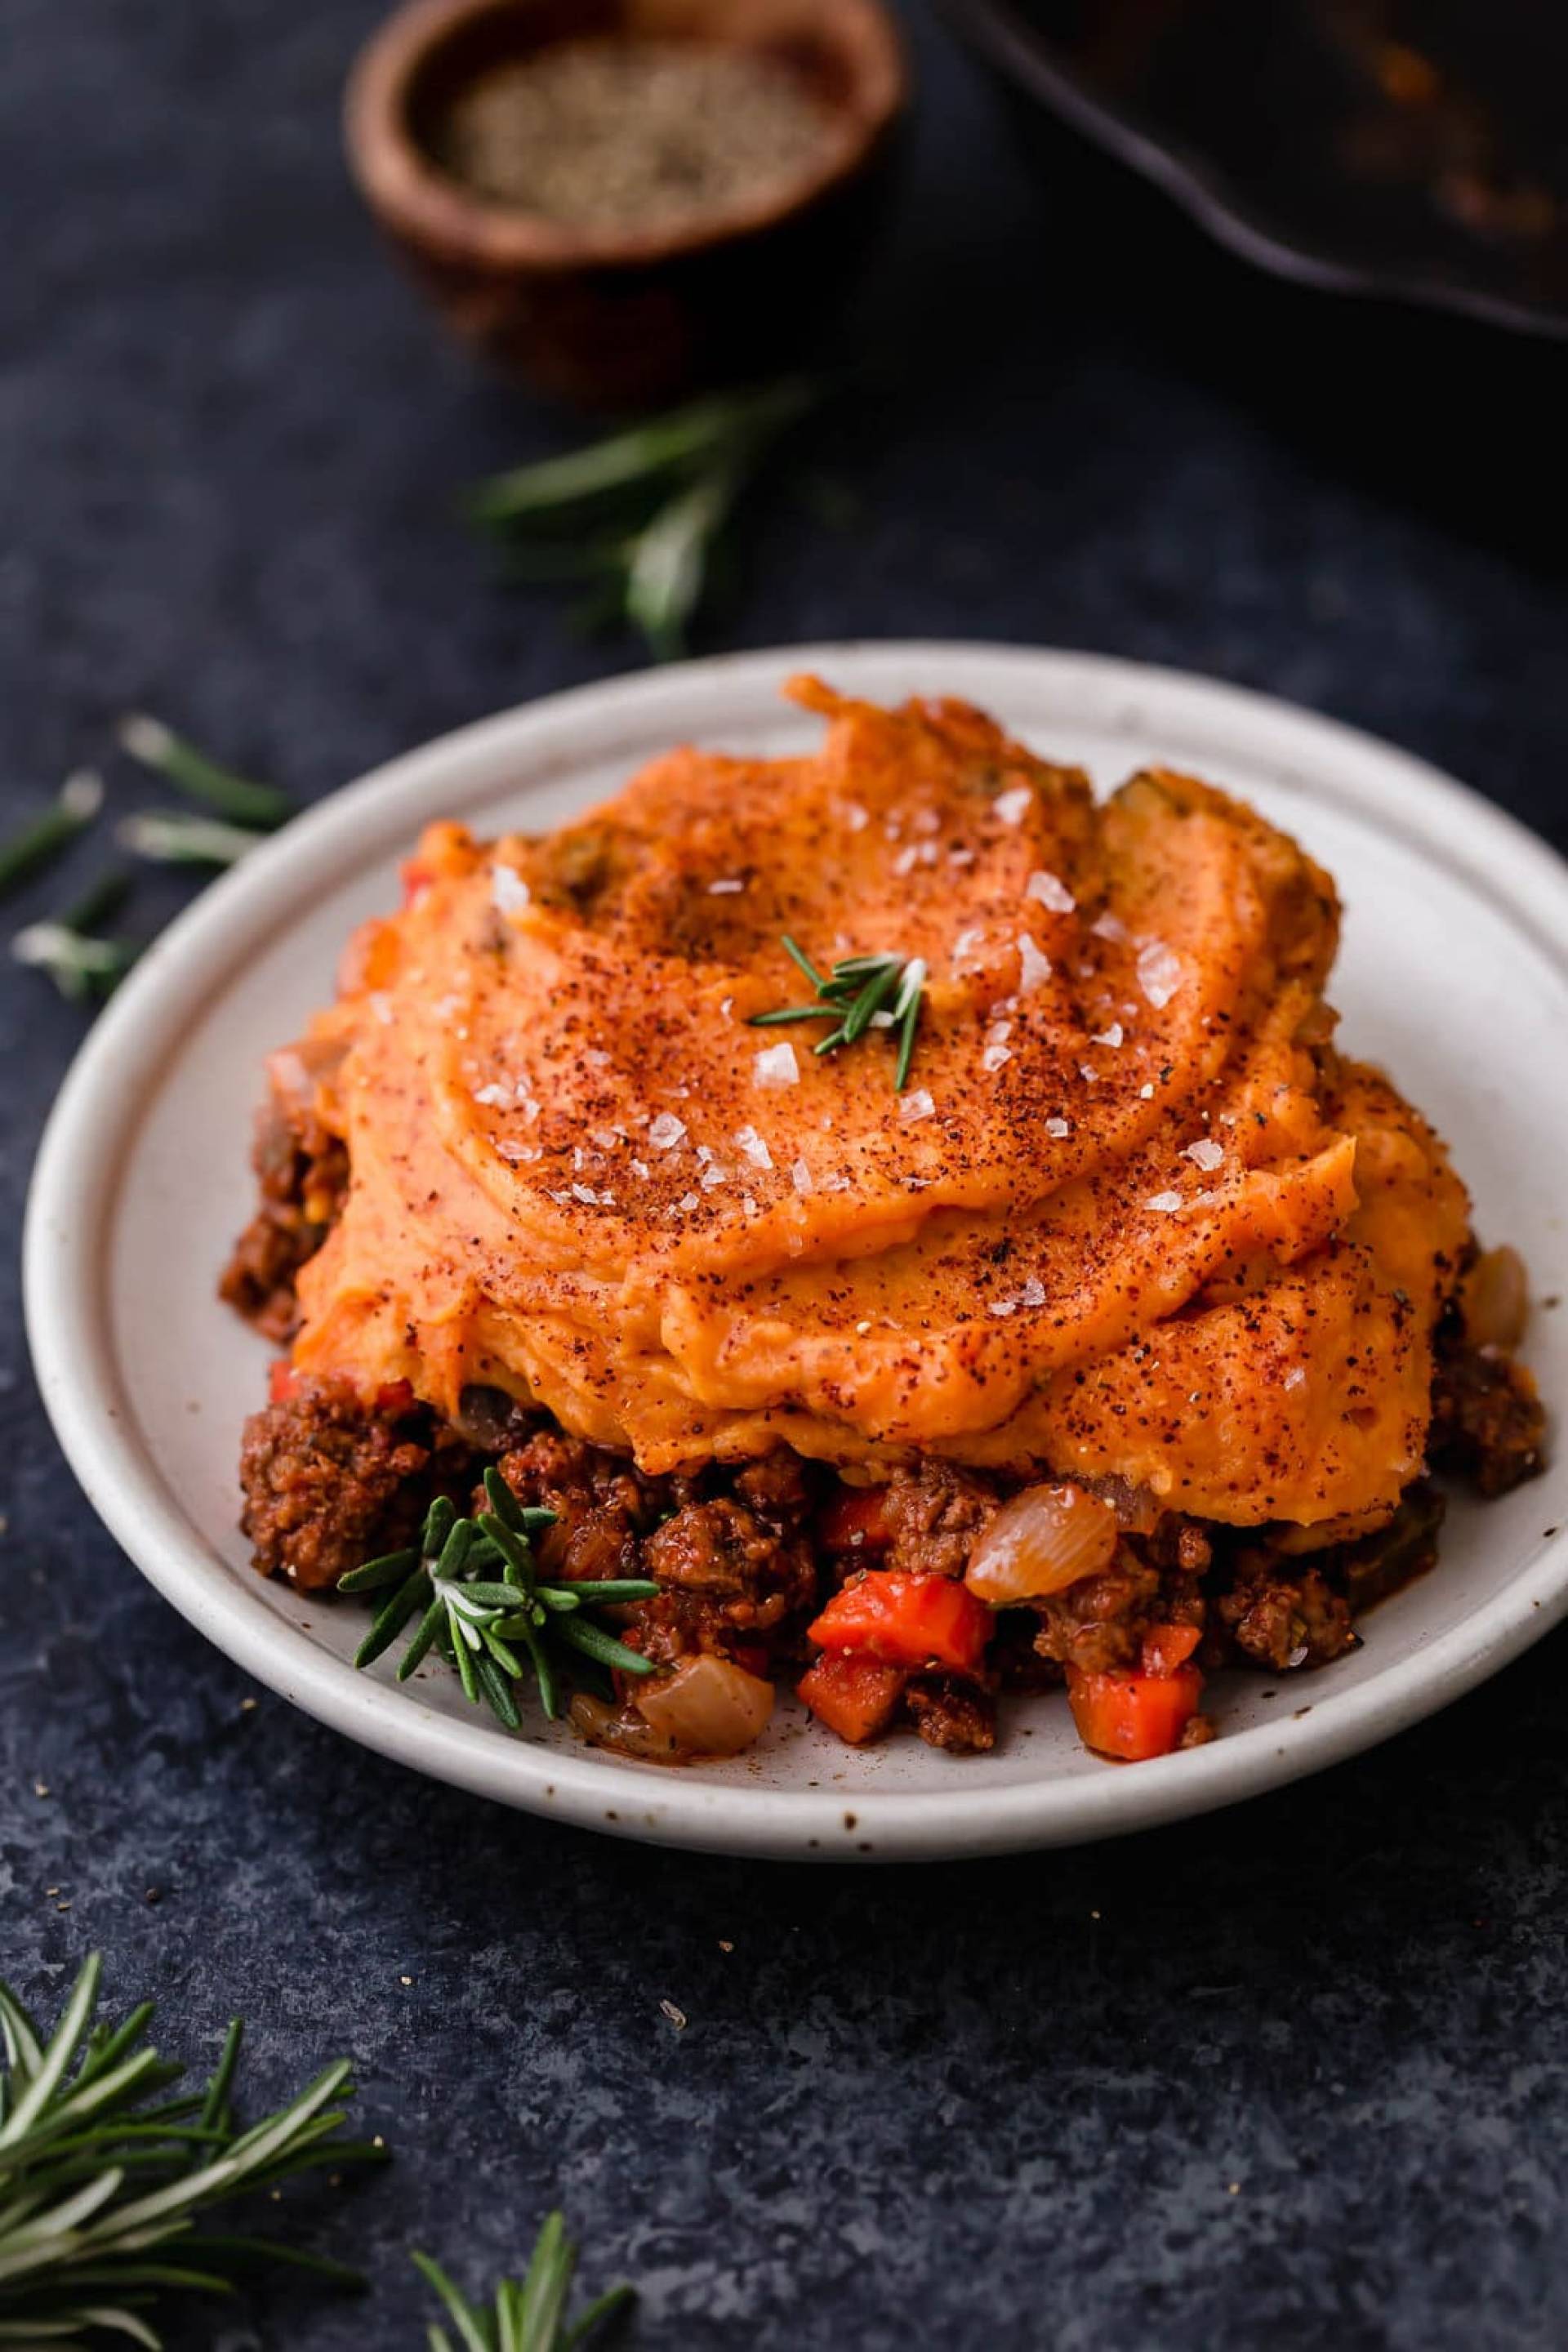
(1043, 1540)
(709, 1706)
(1494, 1299)
(606, 1727)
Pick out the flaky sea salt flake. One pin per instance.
(508, 892)
(1012, 807)
(776, 1065)
(1205, 1154)
(665, 1131)
(1034, 965)
(1160, 972)
(753, 1145)
(1052, 893)
(1165, 1202)
(916, 1105)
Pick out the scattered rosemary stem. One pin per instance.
(647, 507)
(80, 964)
(42, 840)
(169, 837)
(101, 2174)
(235, 797)
(528, 2314)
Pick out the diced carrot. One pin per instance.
(282, 1381)
(855, 1519)
(1167, 1647)
(852, 1695)
(907, 1620)
(1134, 1716)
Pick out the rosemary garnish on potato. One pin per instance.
(860, 995)
(475, 1586)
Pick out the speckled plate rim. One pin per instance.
(72, 1198)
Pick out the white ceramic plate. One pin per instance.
(1454, 971)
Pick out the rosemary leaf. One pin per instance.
(79, 966)
(168, 838)
(243, 802)
(855, 994)
(669, 560)
(595, 1642)
(663, 446)
(97, 2178)
(527, 2315)
(43, 837)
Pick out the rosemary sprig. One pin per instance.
(43, 837)
(169, 837)
(861, 993)
(529, 2313)
(646, 510)
(101, 2174)
(66, 947)
(238, 798)
(473, 1583)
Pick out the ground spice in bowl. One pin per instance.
(617, 134)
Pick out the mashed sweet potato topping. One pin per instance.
(1133, 1216)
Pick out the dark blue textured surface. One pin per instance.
(1295, 2076)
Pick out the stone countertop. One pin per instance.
(1294, 2075)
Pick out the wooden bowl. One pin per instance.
(623, 316)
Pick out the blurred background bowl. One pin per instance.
(622, 316)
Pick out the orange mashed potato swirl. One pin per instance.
(1132, 1217)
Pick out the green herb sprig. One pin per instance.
(644, 512)
(43, 838)
(528, 2314)
(67, 947)
(474, 1585)
(237, 798)
(101, 2175)
(860, 995)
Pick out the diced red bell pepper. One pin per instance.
(907, 1620)
(852, 1694)
(856, 1520)
(395, 1397)
(1133, 1717)
(282, 1381)
(416, 879)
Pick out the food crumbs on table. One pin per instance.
(676, 2016)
